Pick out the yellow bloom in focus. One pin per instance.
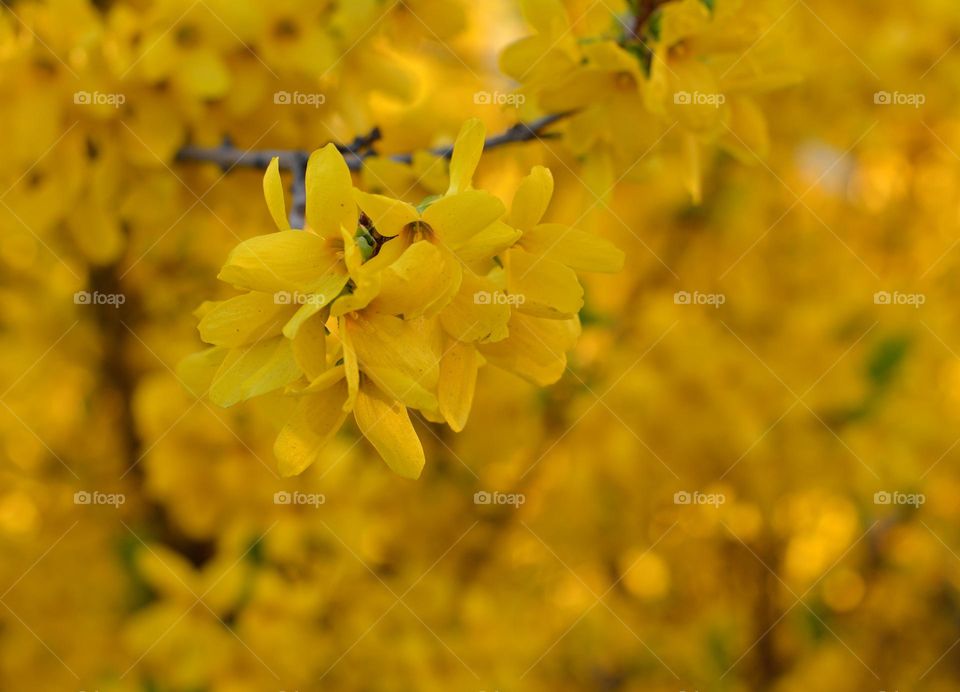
(541, 271)
(377, 307)
(464, 227)
(289, 277)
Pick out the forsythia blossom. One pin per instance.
(689, 69)
(377, 307)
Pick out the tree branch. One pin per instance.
(227, 156)
(642, 14)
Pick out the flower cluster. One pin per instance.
(397, 306)
(690, 65)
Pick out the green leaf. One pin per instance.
(422, 207)
(655, 24)
(886, 359)
(365, 242)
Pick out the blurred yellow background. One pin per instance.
(745, 480)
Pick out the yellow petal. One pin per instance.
(387, 342)
(291, 261)
(544, 288)
(273, 192)
(746, 135)
(457, 218)
(352, 256)
(388, 215)
(532, 198)
(575, 248)
(330, 203)
(581, 88)
(244, 319)
(316, 419)
(387, 425)
(417, 282)
(310, 345)
(327, 379)
(473, 314)
(303, 313)
(366, 289)
(204, 75)
(351, 366)
(399, 386)
(458, 381)
(429, 172)
(536, 348)
(546, 16)
(681, 19)
(692, 171)
(166, 571)
(610, 55)
(466, 155)
(489, 242)
(535, 59)
(381, 174)
(256, 370)
(197, 370)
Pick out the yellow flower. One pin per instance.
(540, 275)
(702, 73)
(185, 45)
(464, 225)
(289, 277)
(387, 359)
(691, 68)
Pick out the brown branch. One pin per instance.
(228, 157)
(645, 10)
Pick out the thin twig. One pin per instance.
(361, 148)
(227, 155)
(644, 11)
